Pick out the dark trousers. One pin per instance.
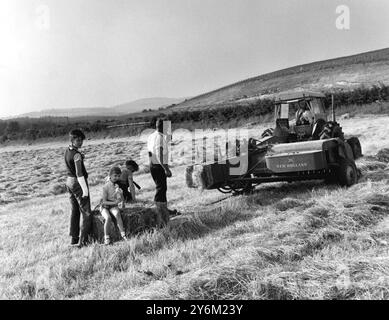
(159, 177)
(80, 218)
(124, 186)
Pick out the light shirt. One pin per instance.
(307, 116)
(155, 141)
(112, 192)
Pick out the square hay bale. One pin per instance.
(383, 155)
(206, 176)
(136, 219)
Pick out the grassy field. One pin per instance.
(285, 241)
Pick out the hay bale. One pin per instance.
(136, 219)
(194, 176)
(198, 176)
(383, 155)
(188, 177)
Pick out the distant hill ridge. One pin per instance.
(121, 109)
(147, 103)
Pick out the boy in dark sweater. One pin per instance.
(78, 190)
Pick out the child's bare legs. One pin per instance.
(118, 216)
(107, 221)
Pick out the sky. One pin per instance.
(100, 53)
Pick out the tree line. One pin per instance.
(51, 127)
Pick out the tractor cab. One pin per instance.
(307, 109)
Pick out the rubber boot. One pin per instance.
(74, 241)
(85, 231)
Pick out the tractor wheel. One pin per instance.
(347, 173)
(332, 130)
(355, 147)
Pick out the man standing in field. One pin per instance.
(77, 186)
(157, 148)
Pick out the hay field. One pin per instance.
(285, 241)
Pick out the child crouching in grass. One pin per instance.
(126, 180)
(111, 200)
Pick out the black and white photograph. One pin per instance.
(194, 154)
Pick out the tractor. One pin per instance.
(310, 146)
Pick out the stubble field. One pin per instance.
(285, 241)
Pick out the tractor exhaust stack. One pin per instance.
(332, 108)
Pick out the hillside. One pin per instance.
(364, 69)
(341, 73)
(122, 109)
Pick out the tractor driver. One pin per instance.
(304, 115)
